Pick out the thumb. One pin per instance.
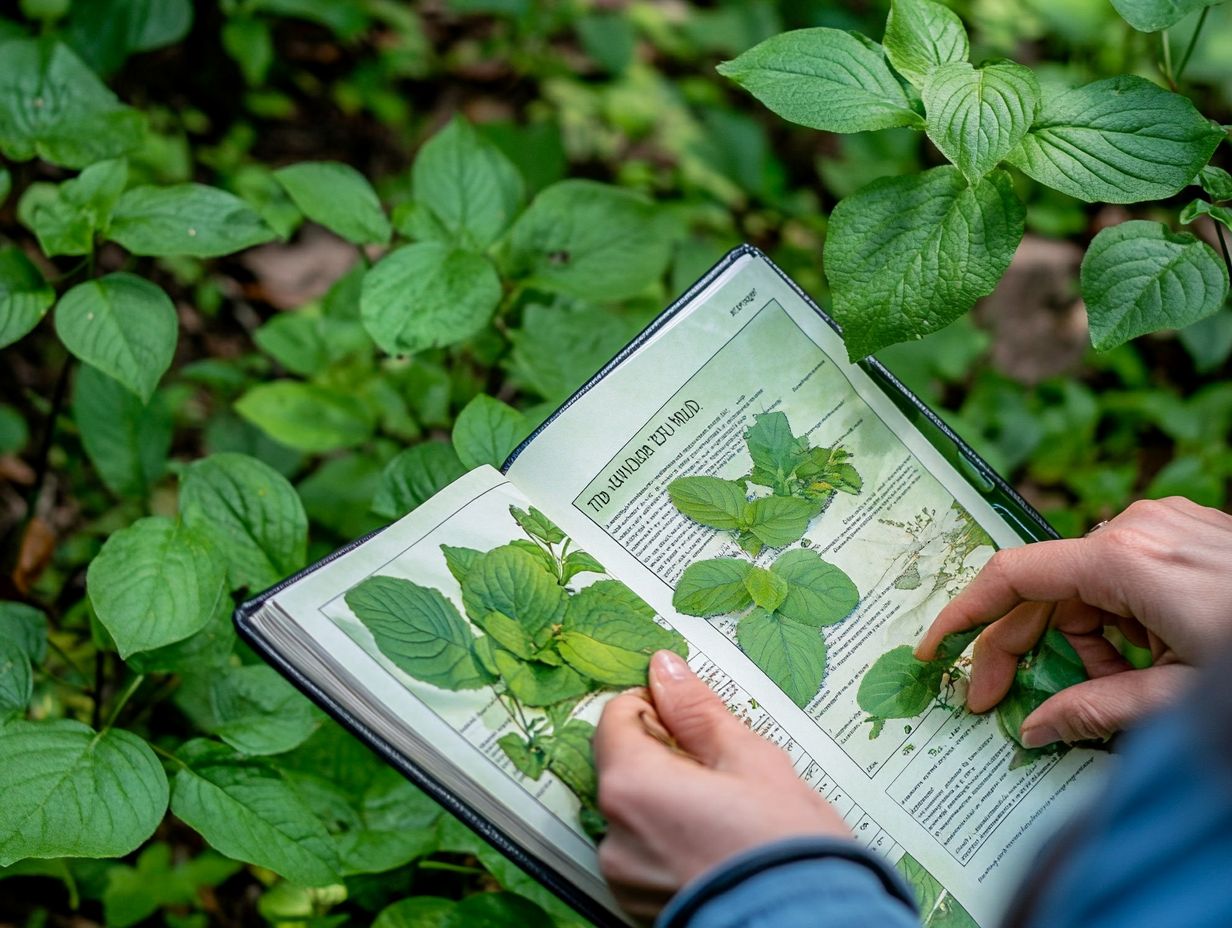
(690, 710)
(1101, 707)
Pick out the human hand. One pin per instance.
(674, 813)
(1161, 572)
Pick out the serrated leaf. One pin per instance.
(921, 35)
(252, 708)
(185, 220)
(512, 583)
(428, 295)
(123, 325)
(767, 590)
(536, 524)
(579, 562)
(460, 560)
(24, 295)
(774, 450)
(419, 630)
(977, 116)
(713, 587)
(776, 521)
(414, 475)
(899, 685)
(66, 217)
(156, 582)
(71, 792)
(1154, 15)
(486, 430)
(818, 593)
(254, 514)
(825, 79)
(338, 197)
(1216, 182)
(126, 440)
(1120, 140)
(906, 256)
(1139, 276)
(609, 635)
(534, 684)
(307, 417)
(792, 655)
(572, 758)
(711, 501)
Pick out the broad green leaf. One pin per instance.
(72, 792)
(1052, 666)
(790, 654)
(252, 512)
(307, 417)
(713, 587)
(126, 440)
(609, 635)
(26, 627)
(775, 452)
(247, 811)
(530, 759)
(54, 107)
(133, 894)
(954, 644)
(495, 910)
(252, 708)
(906, 256)
(1196, 208)
(1119, 140)
(537, 525)
(512, 583)
(209, 648)
(338, 197)
(534, 684)
(557, 348)
(419, 630)
(337, 495)
(414, 475)
(899, 685)
(106, 32)
(818, 593)
(466, 182)
(825, 79)
(123, 325)
(428, 295)
(24, 295)
(579, 562)
(460, 560)
(768, 590)
(977, 116)
(306, 342)
(920, 35)
(485, 654)
(506, 632)
(778, 520)
(1154, 15)
(155, 582)
(66, 217)
(589, 240)
(185, 220)
(711, 501)
(416, 912)
(14, 435)
(486, 431)
(16, 679)
(572, 758)
(397, 823)
(1139, 276)
(1216, 182)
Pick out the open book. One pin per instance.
(474, 642)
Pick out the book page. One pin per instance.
(938, 794)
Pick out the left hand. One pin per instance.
(675, 812)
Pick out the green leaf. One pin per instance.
(557, 349)
(529, 759)
(906, 256)
(790, 654)
(1216, 182)
(428, 295)
(920, 35)
(572, 758)
(711, 501)
(185, 220)
(1120, 140)
(774, 450)
(71, 792)
(155, 582)
(106, 32)
(252, 708)
(397, 823)
(414, 475)
(16, 680)
(818, 593)
(14, 435)
(67, 217)
(253, 513)
(307, 417)
(900, 686)
(778, 520)
(512, 583)
(609, 635)
(245, 810)
(211, 647)
(588, 240)
(416, 912)
(486, 431)
(26, 627)
(1196, 208)
(495, 910)
(534, 684)
(1154, 15)
(768, 590)
(579, 562)
(52, 106)
(460, 560)
(126, 440)
(306, 342)
(419, 630)
(338, 197)
(6, 184)
(1139, 276)
(133, 894)
(713, 587)
(537, 525)
(24, 295)
(468, 184)
(977, 116)
(1052, 666)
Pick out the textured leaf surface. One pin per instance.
(24, 295)
(252, 708)
(1216, 182)
(711, 501)
(307, 417)
(977, 115)
(920, 35)
(818, 593)
(779, 520)
(16, 679)
(25, 627)
(572, 759)
(767, 589)
(775, 452)
(338, 197)
(536, 684)
(713, 587)
(1052, 666)
(900, 686)
(185, 219)
(1154, 15)
(126, 440)
(535, 523)
(66, 217)
(413, 475)
(513, 583)
(486, 430)
(610, 634)
(790, 654)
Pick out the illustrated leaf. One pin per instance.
(572, 758)
(1139, 276)
(486, 430)
(419, 630)
(610, 634)
(155, 582)
(428, 295)
(511, 582)
(71, 792)
(253, 513)
(535, 684)
(460, 560)
(1216, 182)
(767, 590)
(579, 562)
(25, 627)
(711, 501)
(825, 79)
(713, 587)
(818, 593)
(537, 525)
(126, 440)
(66, 217)
(123, 325)
(252, 708)
(899, 685)
(790, 654)
(906, 256)
(16, 679)
(529, 759)
(414, 475)
(778, 520)
(307, 417)
(338, 197)
(775, 452)
(185, 220)
(920, 35)
(24, 295)
(1119, 140)
(468, 184)
(977, 116)
(506, 632)
(1154, 15)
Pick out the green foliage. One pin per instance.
(24, 296)
(339, 198)
(186, 219)
(921, 36)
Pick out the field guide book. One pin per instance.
(730, 487)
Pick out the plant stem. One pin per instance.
(124, 697)
(1163, 37)
(167, 754)
(1223, 244)
(100, 678)
(443, 865)
(1193, 41)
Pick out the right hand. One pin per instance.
(1161, 572)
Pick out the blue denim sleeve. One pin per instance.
(792, 884)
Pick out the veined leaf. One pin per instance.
(534, 684)
(711, 501)
(460, 560)
(790, 654)
(307, 417)
(530, 760)
(536, 524)
(920, 35)
(67, 216)
(16, 679)
(106, 32)
(126, 440)
(767, 590)
(1216, 182)
(818, 593)
(185, 219)
(572, 759)
(772, 447)
(1053, 665)
(1154, 15)
(252, 708)
(1196, 208)
(899, 685)
(416, 912)
(977, 116)
(414, 475)
(338, 197)
(24, 295)
(512, 583)
(778, 520)
(610, 634)
(307, 342)
(26, 627)
(577, 562)
(713, 587)
(486, 430)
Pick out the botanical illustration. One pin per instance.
(937, 905)
(529, 632)
(954, 536)
(783, 607)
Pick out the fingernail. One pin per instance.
(669, 664)
(1039, 735)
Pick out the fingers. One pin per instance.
(693, 713)
(621, 732)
